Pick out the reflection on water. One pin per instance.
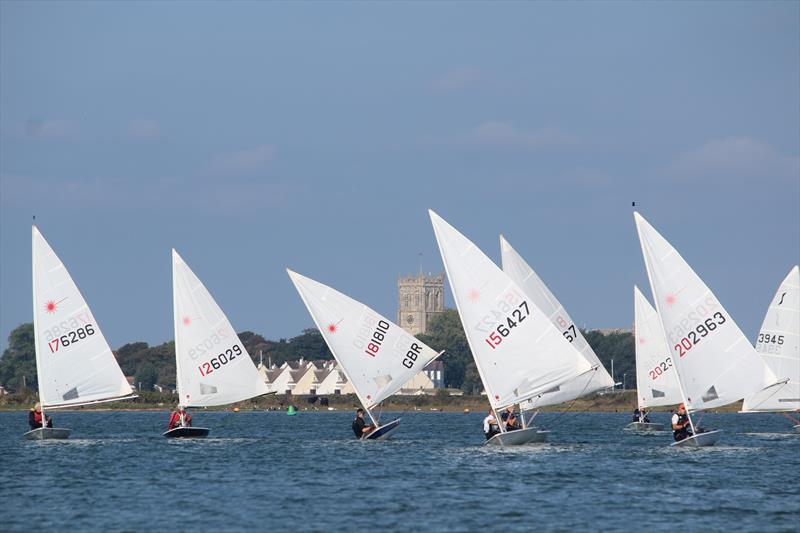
(262, 470)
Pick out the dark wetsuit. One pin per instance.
(35, 423)
(358, 427)
(684, 432)
(494, 429)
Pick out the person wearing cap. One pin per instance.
(35, 417)
(360, 427)
(681, 428)
(490, 427)
(179, 418)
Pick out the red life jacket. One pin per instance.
(37, 416)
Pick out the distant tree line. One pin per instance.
(151, 365)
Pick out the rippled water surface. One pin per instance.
(306, 472)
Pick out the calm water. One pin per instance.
(272, 471)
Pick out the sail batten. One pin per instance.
(517, 350)
(73, 358)
(213, 366)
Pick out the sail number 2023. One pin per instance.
(703, 329)
(222, 359)
(507, 324)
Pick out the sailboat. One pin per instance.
(597, 378)
(213, 366)
(778, 343)
(74, 364)
(518, 351)
(376, 355)
(714, 362)
(656, 383)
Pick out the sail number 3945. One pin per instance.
(506, 325)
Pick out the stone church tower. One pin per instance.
(420, 297)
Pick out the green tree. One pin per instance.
(445, 333)
(146, 376)
(18, 364)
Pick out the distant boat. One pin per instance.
(778, 343)
(291, 410)
(518, 351)
(376, 355)
(714, 362)
(656, 382)
(213, 366)
(75, 366)
(597, 378)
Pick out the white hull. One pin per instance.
(518, 437)
(47, 434)
(709, 438)
(186, 433)
(383, 432)
(644, 426)
(797, 428)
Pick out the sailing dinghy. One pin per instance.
(713, 361)
(656, 384)
(376, 355)
(74, 364)
(594, 380)
(778, 343)
(213, 366)
(518, 351)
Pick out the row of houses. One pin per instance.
(321, 377)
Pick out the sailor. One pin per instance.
(643, 416)
(35, 417)
(360, 427)
(179, 418)
(490, 427)
(637, 415)
(681, 428)
(510, 419)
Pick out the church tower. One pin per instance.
(420, 297)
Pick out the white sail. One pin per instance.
(716, 365)
(377, 356)
(518, 351)
(213, 365)
(523, 275)
(778, 343)
(75, 365)
(656, 382)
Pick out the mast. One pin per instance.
(36, 326)
(175, 330)
(663, 333)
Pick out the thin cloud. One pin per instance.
(455, 79)
(144, 129)
(739, 157)
(506, 135)
(55, 129)
(247, 160)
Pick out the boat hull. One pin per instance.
(708, 438)
(48, 434)
(517, 437)
(644, 426)
(187, 433)
(383, 432)
(797, 428)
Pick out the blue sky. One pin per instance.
(256, 136)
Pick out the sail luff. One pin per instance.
(39, 364)
(178, 373)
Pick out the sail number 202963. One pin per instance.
(695, 335)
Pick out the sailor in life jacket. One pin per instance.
(179, 418)
(35, 417)
(490, 426)
(681, 428)
(360, 427)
